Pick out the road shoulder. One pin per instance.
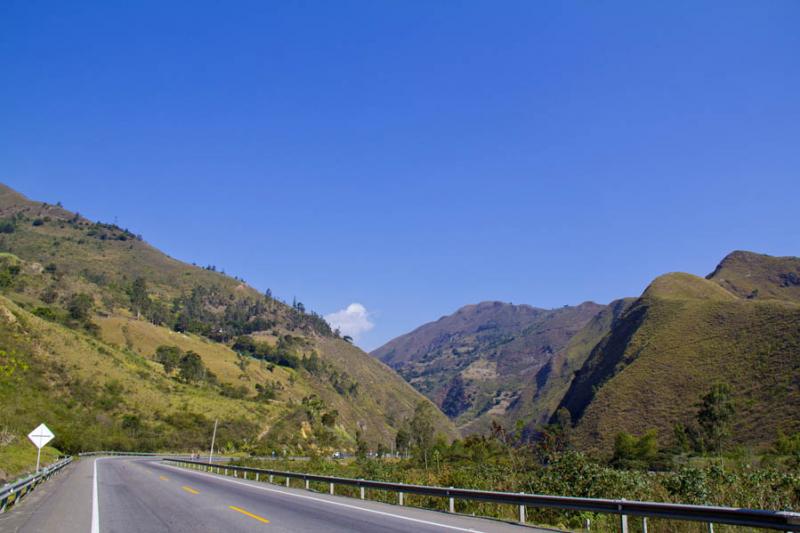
(63, 503)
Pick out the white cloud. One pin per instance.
(352, 321)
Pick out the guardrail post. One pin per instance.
(362, 492)
(522, 517)
(306, 483)
(270, 478)
(644, 524)
(452, 503)
(623, 518)
(331, 488)
(256, 476)
(226, 471)
(710, 527)
(399, 498)
(287, 480)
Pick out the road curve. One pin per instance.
(146, 495)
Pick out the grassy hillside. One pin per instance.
(759, 276)
(541, 397)
(478, 363)
(86, 306)
(667, 350)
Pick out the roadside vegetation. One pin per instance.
(639, 469)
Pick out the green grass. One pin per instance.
(19, 457)
(677, 350)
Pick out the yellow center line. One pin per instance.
(162, 478)
(190, 489)
(251, 515)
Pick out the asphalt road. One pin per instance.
(145, 495)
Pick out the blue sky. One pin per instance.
(414, 157)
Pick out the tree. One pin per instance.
(191, 367)
(140, 300)
(361, 446)
(422, 430)
(80, 306)
(716, 415)
(169, 356)
(403, 438)
(329, 418)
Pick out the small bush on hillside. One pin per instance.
(169, 356)
(191, 368)
(635, 452)
(80, 306)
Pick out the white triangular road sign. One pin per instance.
(41, 435)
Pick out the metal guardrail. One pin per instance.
(11, 493)
(220, 459)
(780, 520)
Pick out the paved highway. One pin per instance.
(125, 494)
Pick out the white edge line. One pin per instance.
(95, 506)
(340, 504)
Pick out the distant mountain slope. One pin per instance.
(686, 333)
(758, 276)
(476, 362)
(540, 397)
(110, 299)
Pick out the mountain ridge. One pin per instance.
(67, 280)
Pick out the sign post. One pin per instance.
(39, 437)
(213, 438)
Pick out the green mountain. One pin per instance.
(478, 364)
(116, 345)
(740, 326)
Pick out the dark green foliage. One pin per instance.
(635, 452)
(169, 356)
(284, 354)
(8, 274)
(402, 439)
(140, 299)
(191, 368)
(80, 306)
(329, 418)
(231, 391)
(268, 391)
(789, 445)
(8, 226)
(198, 312)
(716, 415)
(37, 222)
(456, 401)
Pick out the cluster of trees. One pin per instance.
(342, 382)
(77, 312)
(219, 314)
(106, 232)
(417, 433)
(707, 434)
(189, 365)
(284, 353)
